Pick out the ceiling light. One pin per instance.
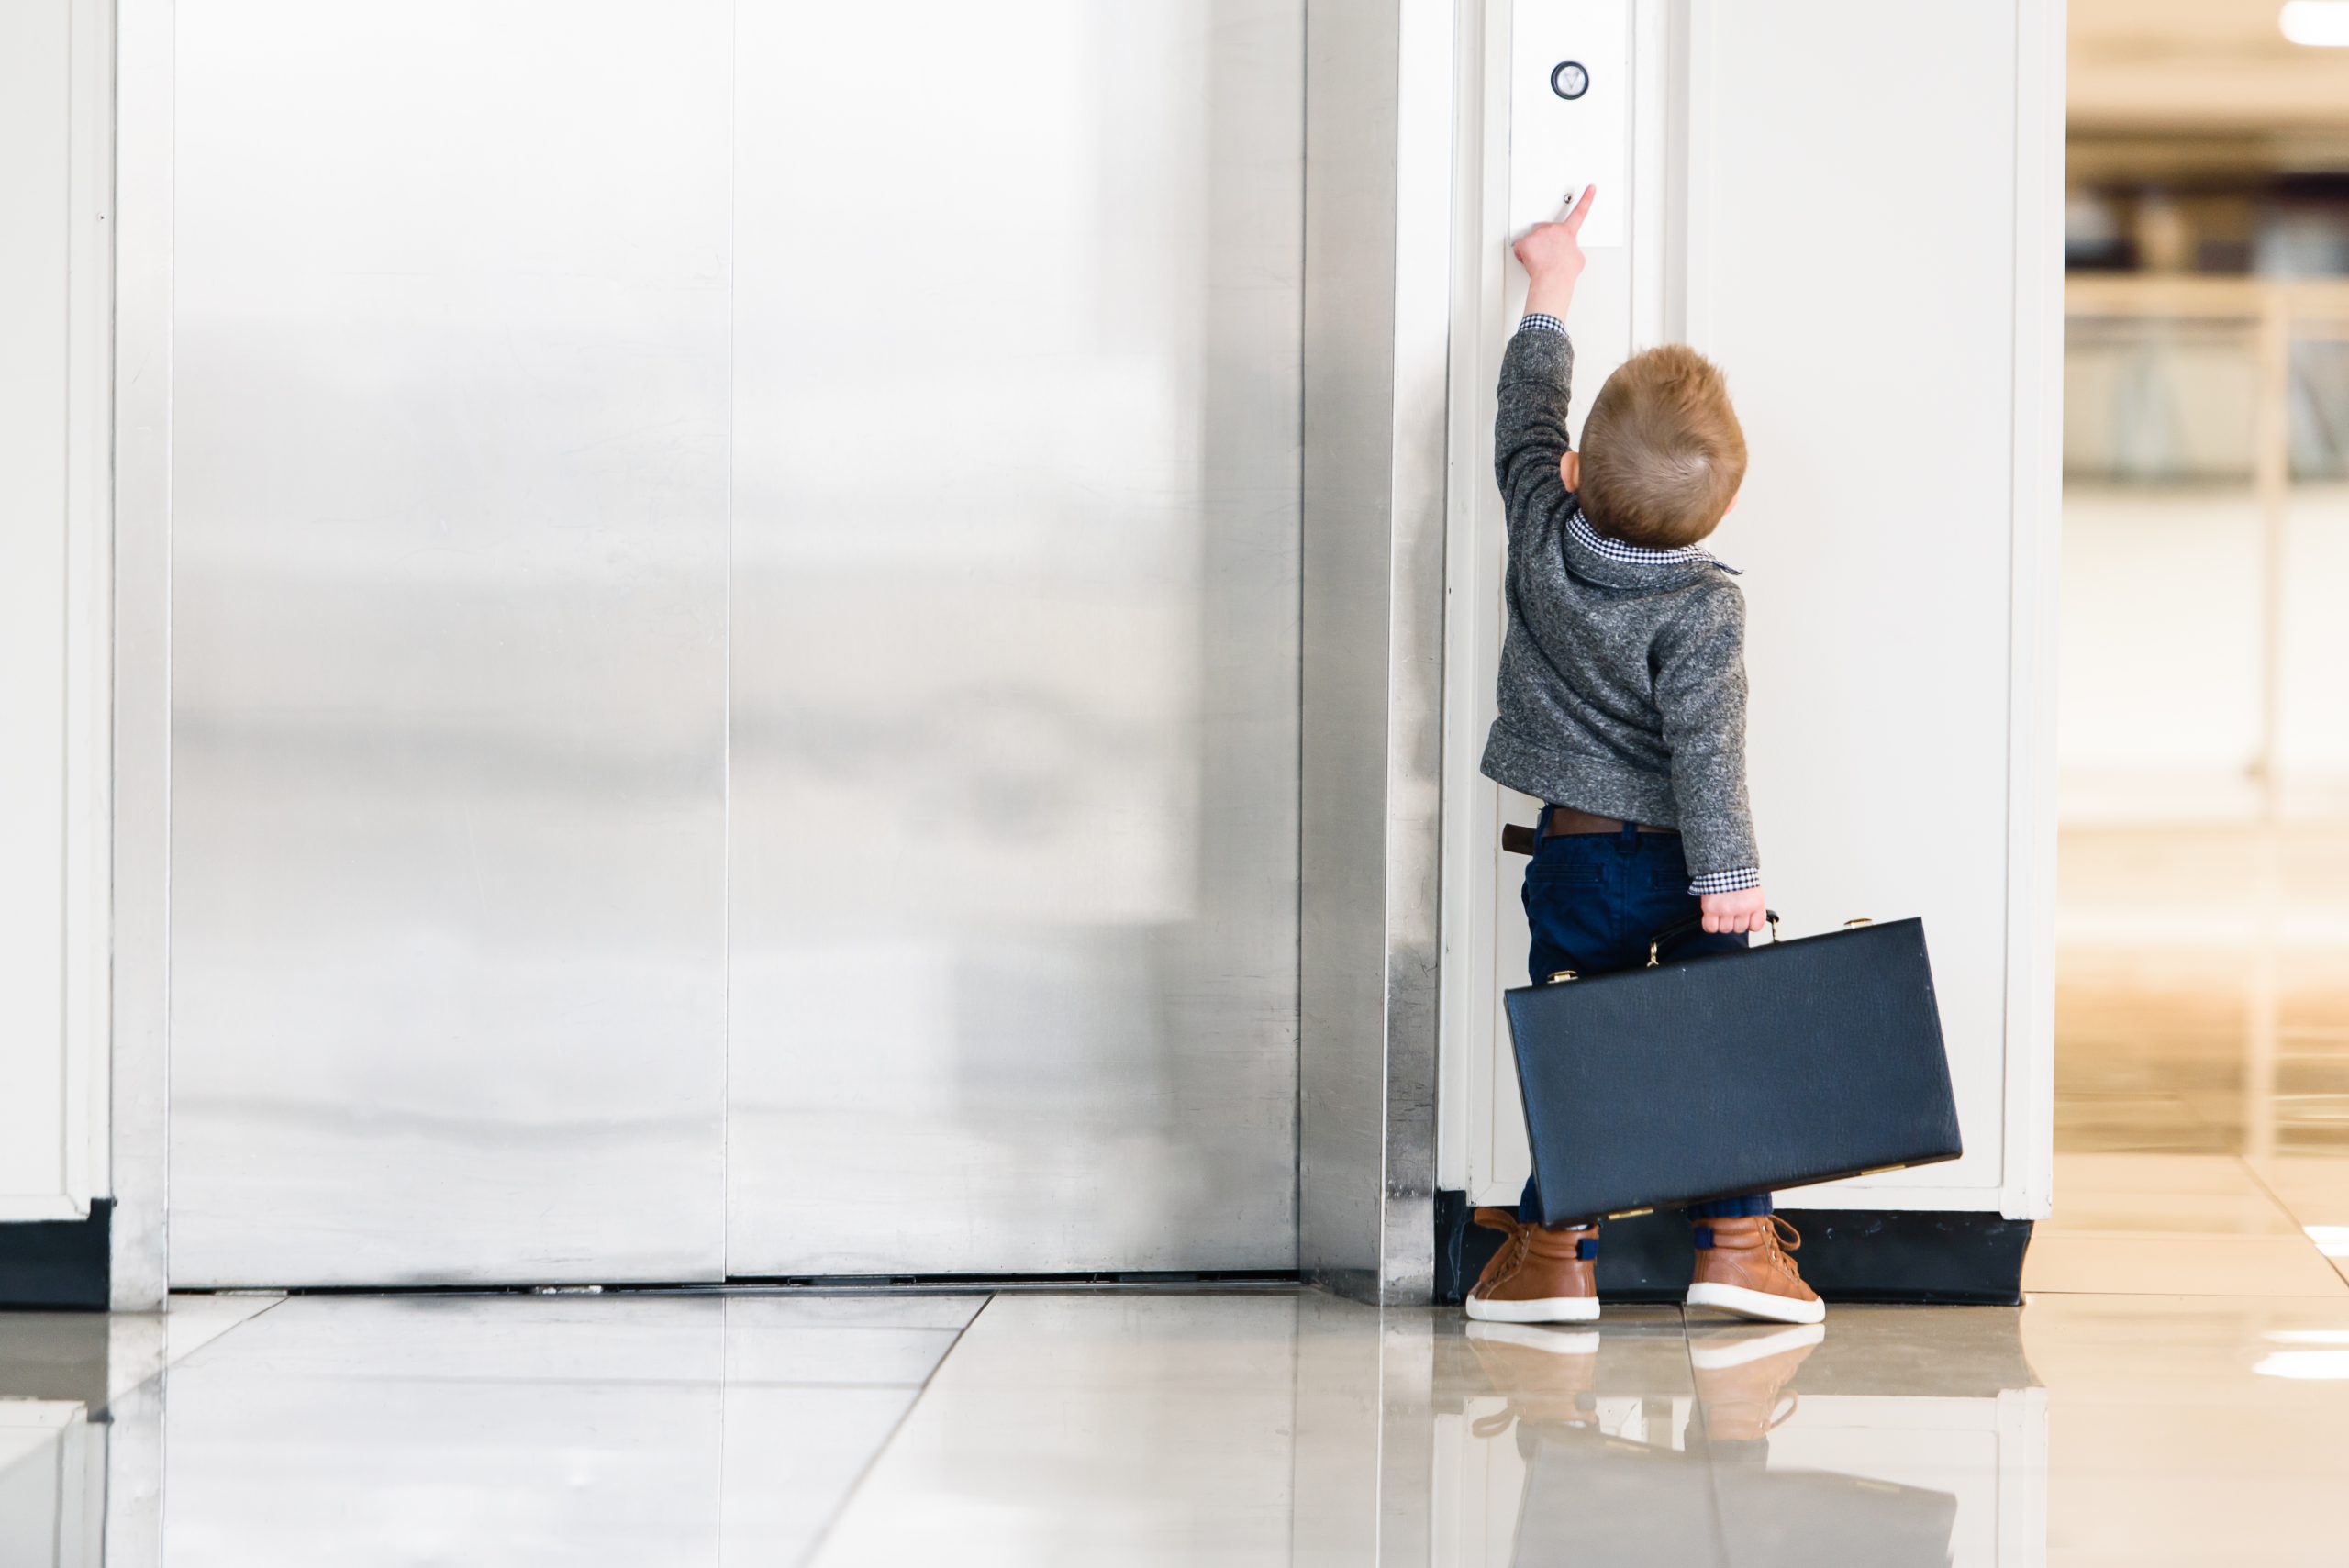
(2320, 24)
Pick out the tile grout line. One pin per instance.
(815, 1544)
(2289, 1213)
(167, 1360)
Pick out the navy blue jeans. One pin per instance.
(1594, 901)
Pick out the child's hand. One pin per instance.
(1746, 911)
(1552, 256)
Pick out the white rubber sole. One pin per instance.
(1726, 1348)
(1758, 1305)
(1556, 1341)
(1540, 1309)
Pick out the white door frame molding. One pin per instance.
(66, 53)
(2037, 510)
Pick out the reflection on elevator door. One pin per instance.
(735, 658)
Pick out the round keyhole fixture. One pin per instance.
(1569, 80)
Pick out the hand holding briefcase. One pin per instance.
(1793, 1062)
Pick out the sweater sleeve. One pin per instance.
(1529, 425)
(1700, 691)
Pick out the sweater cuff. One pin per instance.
(1538, 322)
(1736, 881)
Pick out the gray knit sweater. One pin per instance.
(1622, 688)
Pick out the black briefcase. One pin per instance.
(1783, 1064)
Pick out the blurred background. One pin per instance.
(2203, 989)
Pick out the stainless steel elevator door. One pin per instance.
(448, 640)
(1013, 937)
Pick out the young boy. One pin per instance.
(1622, 706)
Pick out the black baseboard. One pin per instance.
(57, 1265)
(1848, 1254)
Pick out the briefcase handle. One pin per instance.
(1679, 928)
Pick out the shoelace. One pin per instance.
(1513, 1238)
(1499, 1423)
(1519, 1243)
(1494, 1425)
(1784, 1239)
(1517, 1238)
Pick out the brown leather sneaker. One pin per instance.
(1742, 1267)
(1742, 1372)
(1539, 1275)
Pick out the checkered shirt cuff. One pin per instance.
(1736, 881)
(1538, 322)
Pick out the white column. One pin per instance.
(55, 59)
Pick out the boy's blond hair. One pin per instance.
(1661, 452)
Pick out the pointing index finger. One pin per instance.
(1581, 210)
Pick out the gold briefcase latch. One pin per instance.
(1560, 976)
(1858, 920)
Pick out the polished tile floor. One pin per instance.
(2175, 1392)
(2202, 1065)
(1270, 1427)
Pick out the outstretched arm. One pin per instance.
(1537, 372)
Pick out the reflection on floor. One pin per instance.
(1299, 1429)
(1265, 1427)
(564, 1429)
(2173, 1394)
(1270, 1427)
(2202, 1065)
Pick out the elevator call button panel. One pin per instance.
(1570, 114)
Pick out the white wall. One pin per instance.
(1871, 212)
(2162, 653)
(1857, 272)
(52, 702)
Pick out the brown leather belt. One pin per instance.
(1564, 819)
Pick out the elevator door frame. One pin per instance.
(143, 418)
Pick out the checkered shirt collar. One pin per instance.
(1639, 554)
